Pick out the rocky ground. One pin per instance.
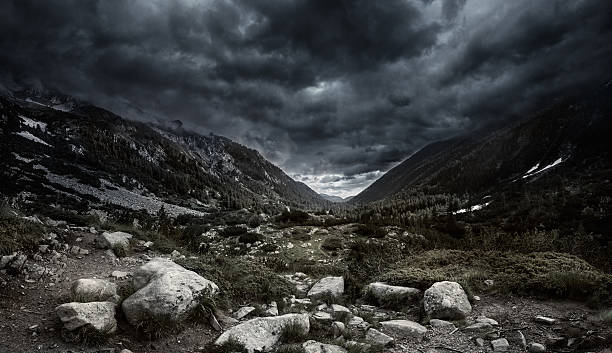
(318, 318)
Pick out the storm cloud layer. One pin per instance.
(333, 91)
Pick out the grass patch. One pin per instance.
(240, 280)
(120, 250)
(332, 243)
(541, 274)
(230, 346)
(293, 333)
(18, 234)
(86, 335)
(370, 230)
(233, 231)
(250, 238)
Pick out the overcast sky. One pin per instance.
(335, 92)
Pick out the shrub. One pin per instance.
(370, 230)
(18, 234)
(290, 348)
(250, 238)
(292, 333)
(254, 221)
(332, 243)
(293, 216)
(233, 231)
(269, 247)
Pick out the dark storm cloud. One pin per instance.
(334, 91)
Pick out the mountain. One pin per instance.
(58, 150)
(570, 138)
(334, 198)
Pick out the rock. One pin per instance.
(262, 333)
(338, 328)
(165, 290)
(125, 351)
(403, 328)
(500, 345)
(545, 320)
(175, 254)
(333, 286)
(536, 347)
(272, 309)
(486, 320)
(98, 315)
(111, 240)
(358, 346)
(376, 337)
(479, 341)
(43, 248)
(385, 293)
(440, 323)
(87, 290)
(478, 328)
(316, 347)
(119, 274)
(489, 282)
(358, 322)
(243, 312)
(446, 300)
(322, 316)
(522, 339)
(341, 313)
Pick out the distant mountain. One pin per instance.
(56, 149)
(334, 198)
(571, 137)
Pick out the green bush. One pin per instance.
(233, 231)
(250, 238)
(293, 216)
(18, 234)
(332, 243)
(370, 230)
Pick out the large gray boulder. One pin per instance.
(99, 316)
(165, 291)
(333, 286)
(111, 240)
(317, 347)
(387, 293)
(447, 301)
(86, 290)
(262, 333)
(378, 338)
(403, 328)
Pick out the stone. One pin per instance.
(545, 320)
(99, 316)
(111, 240)
(333, 286)
(378, 338)
(385, 293)
(243, 312)
(480, 328)
(262, 333)
(522, 339)
(440, 323)
(536, 347)
(322, 316)
(86, 290)
(479, 341)
(403, 328)
(341, 313)
(317, 347)
(486, 320)
(119, 274)
(165, 291)
(446, 300)
(338, 328)
(500, 345)
(272, 309)
(125, 351)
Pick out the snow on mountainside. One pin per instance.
(56, 149)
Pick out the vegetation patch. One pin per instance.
(18, 234)
(332, 243)
(541, 274)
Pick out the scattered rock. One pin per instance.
(317, 347)
(338, 328)
(403, 328)
(376, 337)
(500, 345)
(322, 316)
(536, 347)
(262, 333)
(486, 320)
(446, 300)
(243, 312)
(333, 286)
(94, 290)
(387, 293)
(479, 341)
(545, 320)
(98, 315)
(272, 309)
(165, 290)
(440, 323)
(119, 274)
(478, 328)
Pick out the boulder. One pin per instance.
(486, 320)
(536, 348)
(385, 293)
(403, 328)
(243, 312)
(111, 240)
(447, 301)
(317, 347)
(333, 286)
(86, 290)
(262, 333)
(378, 338)
(99, 316)
(440, 323)
(165, 291)
(500, 345)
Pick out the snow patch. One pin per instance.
(535, 167)
(23, 159)
(33, 123)
(29, 136)
(535, 171)
(473, 208)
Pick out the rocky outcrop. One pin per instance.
(262, 333)
(94, 290)
(447, 301)
(112, 240)
(165, 291)
(99, 316)
(333, 286)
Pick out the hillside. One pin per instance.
(57, 150)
